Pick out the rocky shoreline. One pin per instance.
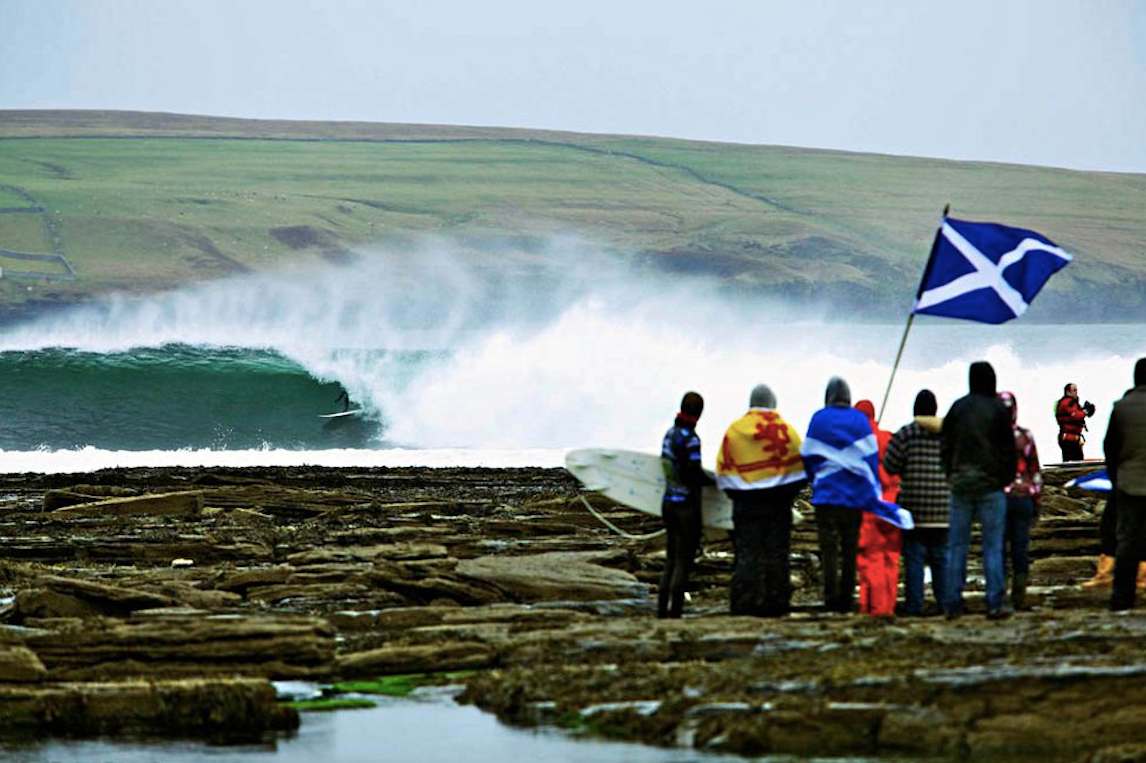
(163, 601)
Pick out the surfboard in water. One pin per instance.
(340, 414)
(637, 480)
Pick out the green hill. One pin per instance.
(140, 202)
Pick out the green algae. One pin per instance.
(329, 704)
(399, 685)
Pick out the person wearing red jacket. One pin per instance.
(880, 542)
(1071, 419)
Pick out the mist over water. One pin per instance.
(558, 345)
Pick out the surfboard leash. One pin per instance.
(604, 520)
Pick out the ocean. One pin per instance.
(477, 373)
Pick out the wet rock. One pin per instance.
(161, 504)
(55, 596)
(231, 708)
(175, 646)
(18, 664)
(426, 658)
(552, 576)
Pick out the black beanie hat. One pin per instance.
(925, 404)
(1140, 372)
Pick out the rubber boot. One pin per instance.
(1019, 593)
(1142, 574)
(1104, 576)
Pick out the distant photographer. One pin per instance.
(1072, 423)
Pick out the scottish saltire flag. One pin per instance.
(841, 455)
(986, 272)
(1098, 481)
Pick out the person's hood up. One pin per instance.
(867, 408)
(1140, 372)
(838, 394)
(762, 397)
(982, 378)
(1011, 404)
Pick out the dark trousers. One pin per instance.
(761, 576)
(838, 530)
(1071, 449)
(924, 547)
(682, 532)
(1131, 548)
(1017, 535)
(1108, 527)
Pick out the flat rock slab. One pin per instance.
(181, 708)
(271, 646)
(556, 576)
(189, 502)
(426, 658)
(19, 664)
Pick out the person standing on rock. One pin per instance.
(680, 507)
(1071, 419)
(1023, 496)
(914, 454)
(880, 543)
(841, 456)
(1125, 450)
(760, 468)
(978, 454)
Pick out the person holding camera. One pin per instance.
(1072, 422)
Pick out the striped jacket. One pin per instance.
(913, 454)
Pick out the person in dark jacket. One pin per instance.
(914, 455)
(680, 507)
(1071, 417)
(1125, 450)
(978, 454)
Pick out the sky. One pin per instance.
(1044, 82)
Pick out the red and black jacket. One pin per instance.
(1071, 419)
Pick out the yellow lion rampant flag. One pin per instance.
(760, 450)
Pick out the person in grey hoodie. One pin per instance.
(1125, 448)
(978, 454)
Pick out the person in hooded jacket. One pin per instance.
(839, 509)
(1071, 417)
(880, 542)
(1125, 450)
(1023, 497)
(914, 455)
(978, 454)
(760, 468)
(680, 507)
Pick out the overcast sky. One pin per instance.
(1044, 82)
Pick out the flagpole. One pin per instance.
(907, 328)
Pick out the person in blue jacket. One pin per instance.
(680, 508)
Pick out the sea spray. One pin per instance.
(557, 345)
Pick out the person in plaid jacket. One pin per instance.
(913, 454)
(1022, 504)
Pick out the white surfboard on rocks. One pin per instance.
(637, 480)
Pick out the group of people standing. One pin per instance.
(879, 496)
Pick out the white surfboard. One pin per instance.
(637, 480)
(340, 414)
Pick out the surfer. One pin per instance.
(1071, 419)
(680, 507)
(344, 398)
(760, 468)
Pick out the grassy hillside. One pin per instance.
(144, 201)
